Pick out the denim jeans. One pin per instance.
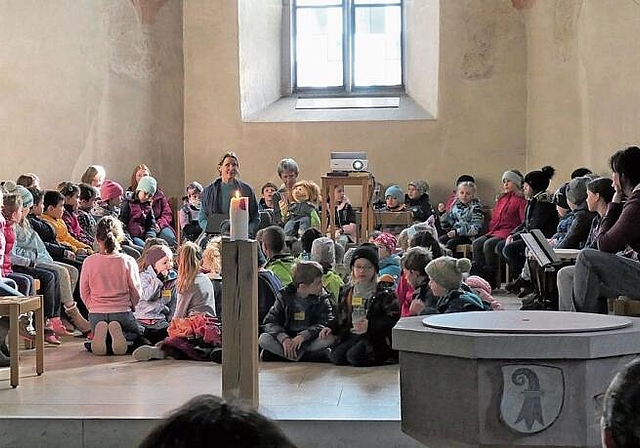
(603, 275)
(169, 236)
(484, 251)
(127, 321)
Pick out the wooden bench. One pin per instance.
(14, 307)
(624, 306)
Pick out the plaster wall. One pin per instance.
(482, 106)
(583, 78)
(91, 82)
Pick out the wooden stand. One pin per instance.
(329, 183)
(240, 321)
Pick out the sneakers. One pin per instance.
(58, 327)
(148, 352)
(99, 341)
(118, 342)
(25, 329)
(50, 337)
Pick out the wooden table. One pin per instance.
(14, 307)
(365, 181)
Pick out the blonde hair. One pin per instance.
(212, 255)
(189, 258)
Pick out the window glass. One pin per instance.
(319, 47)
(377, 55)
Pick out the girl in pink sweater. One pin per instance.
(110, 287)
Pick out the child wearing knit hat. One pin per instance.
(417, 200)
(445, 274)
(394, 199)
(388, 260)
(540, 213)
(508, 213)
(323, 250)
(158, 289)
(110, 200)
(137, 213)
(366, 313)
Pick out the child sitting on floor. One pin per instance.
(366, 313)
(445, 274)
(137, 213)
(389, 261)
(194, 332)
(152, 310)
(323, 251)
(294, 322)
(110, 287)
(189, 226)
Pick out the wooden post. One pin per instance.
(240, 321)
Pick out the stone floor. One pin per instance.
(77, 386)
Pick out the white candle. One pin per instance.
(239, 217)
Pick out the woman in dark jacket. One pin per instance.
(216, 196)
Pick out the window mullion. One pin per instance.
(347, 46)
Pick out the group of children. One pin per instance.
(90, 231)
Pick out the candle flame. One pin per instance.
(237, 193)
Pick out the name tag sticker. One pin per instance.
(166, 293)
(298, 316)
(356, 301)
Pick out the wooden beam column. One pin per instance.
(240, 321)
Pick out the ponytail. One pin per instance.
(109, 232)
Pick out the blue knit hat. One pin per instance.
(148, 184)
(395, 191)
(12, 188)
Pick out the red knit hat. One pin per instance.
(110, 190)
(388, 241)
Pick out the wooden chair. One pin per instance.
(14, 307)
(393, 219)
(466, 250)
(28, 344)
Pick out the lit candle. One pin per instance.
(239, 217)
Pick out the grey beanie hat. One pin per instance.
(447, 271)
(577, 190)
(12, 188)
(421, 185)
(323, 251)
(514, 176)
